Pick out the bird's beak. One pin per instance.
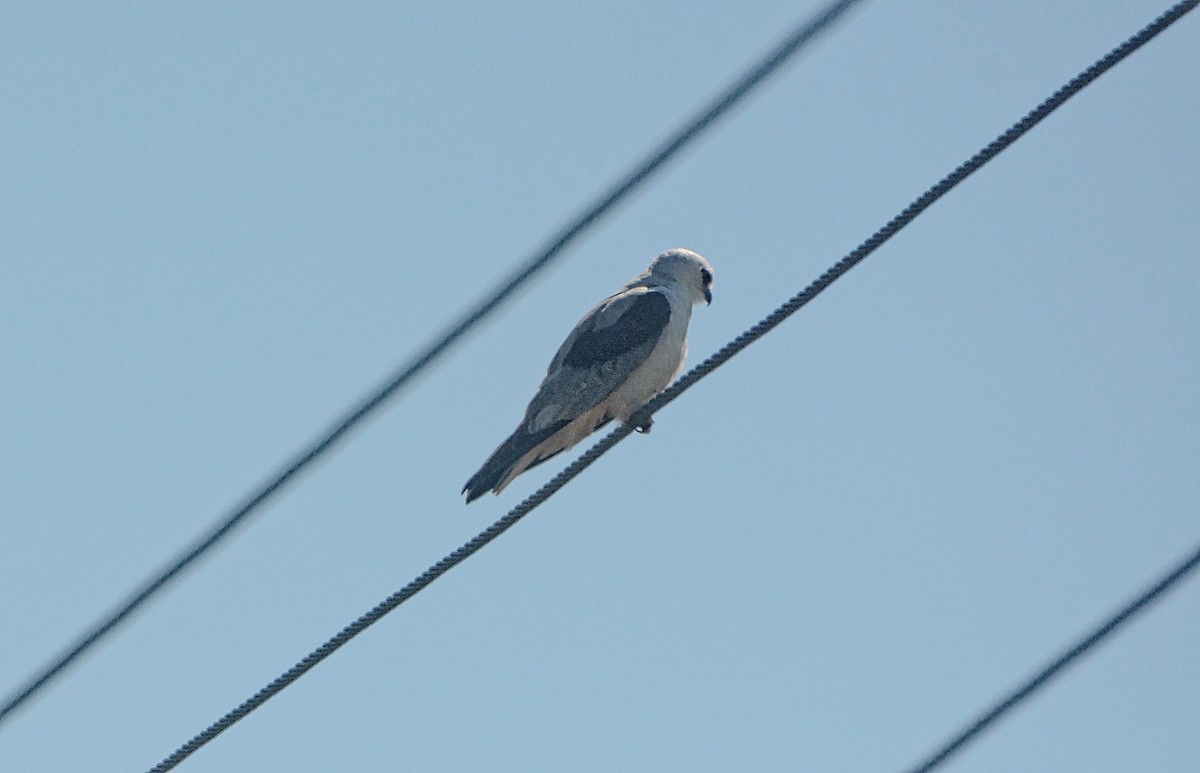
(707, 297)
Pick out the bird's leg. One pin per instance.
(644, 426)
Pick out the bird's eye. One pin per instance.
(706, 276)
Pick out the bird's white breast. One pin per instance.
(663, 364)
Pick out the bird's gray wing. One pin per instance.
(605, 348)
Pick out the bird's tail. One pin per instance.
(501, 466)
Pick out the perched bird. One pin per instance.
(622, 353)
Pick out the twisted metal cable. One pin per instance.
(769, 65)
(377, 612)
(923, 202)
(700, 371)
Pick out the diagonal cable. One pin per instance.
(1039, 680)
(944, 186)
(798, 39)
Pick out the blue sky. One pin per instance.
(222, 224)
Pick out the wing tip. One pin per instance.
(487, 479)
(472, 493)
(501, 467)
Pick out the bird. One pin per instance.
(623, 352)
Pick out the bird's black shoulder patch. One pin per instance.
(644, 320)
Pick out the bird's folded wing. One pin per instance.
(605, 348)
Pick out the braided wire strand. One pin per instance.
(775, 59)
(893, 226)
(923, 202)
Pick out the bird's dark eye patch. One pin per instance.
(706, 276)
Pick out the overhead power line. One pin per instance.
(1056, 666)
(906, 216)
(770, 64)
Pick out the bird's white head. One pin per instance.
(685, 268)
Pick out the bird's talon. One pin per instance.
(644, 426)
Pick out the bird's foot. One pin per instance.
(644, 426)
